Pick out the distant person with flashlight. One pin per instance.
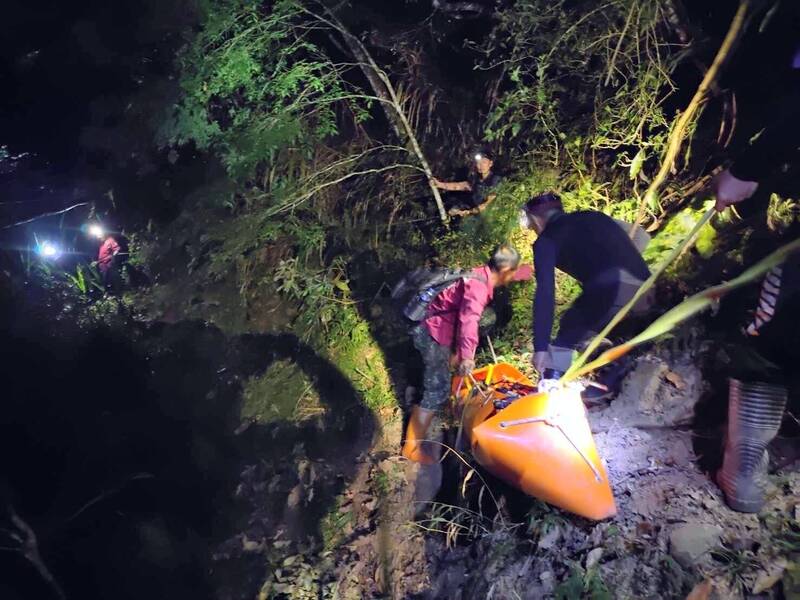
(481, 183)
(110, 248)
(49, 250)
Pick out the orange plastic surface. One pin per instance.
(548, 459)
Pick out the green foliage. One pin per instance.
(782, 212)
(85, 279)
(582, 584)
(518, 331)
(108, 311)
(283, 392)
(330, 321)
(252, 84)
(676, 230)
(335, 524)
(477, 235)
(735, 565)
(381, 484)
(319, 292)
(583, 78)
(350, 345)
(543, 518)
(301, 577)
(785, 532)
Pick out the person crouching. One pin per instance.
(596, 251)
(449, 336)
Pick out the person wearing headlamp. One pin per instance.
(107, 259)
(595, 250)
(480, 185)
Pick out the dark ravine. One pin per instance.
(135, 476)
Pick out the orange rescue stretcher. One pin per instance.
(540, 443)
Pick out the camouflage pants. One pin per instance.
(436, 375)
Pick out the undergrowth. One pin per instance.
(283, 392)
(330, 321)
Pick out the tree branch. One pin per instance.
(678, 132)
(108, 493)
(294, 203)
(383, 88)
(29, 548)
(50, 214)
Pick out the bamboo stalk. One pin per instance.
(678, 132)
(374, 75)
(644, 288)
(687, 309)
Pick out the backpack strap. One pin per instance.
(463, 278)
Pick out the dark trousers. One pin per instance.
(593, 310)
(436, 374)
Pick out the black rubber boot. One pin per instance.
(755, 411)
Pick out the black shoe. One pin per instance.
(595, 394)
(612, 375)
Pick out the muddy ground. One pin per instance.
(393, 535)
(323, 507)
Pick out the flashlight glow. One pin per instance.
(95, 230)
(48, 250)
(478, 157)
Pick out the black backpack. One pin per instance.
(414, 293)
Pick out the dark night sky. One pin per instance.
(65, 66)
(57, 57)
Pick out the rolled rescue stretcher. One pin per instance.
(540, 443)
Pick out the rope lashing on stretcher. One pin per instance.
(553, 421)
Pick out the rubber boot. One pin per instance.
(417, 430)
(755, 412)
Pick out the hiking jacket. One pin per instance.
(455, 313)
(589, 246)
(105, 256)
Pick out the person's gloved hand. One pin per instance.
(466, 366)
(731, 190)
(539, 361)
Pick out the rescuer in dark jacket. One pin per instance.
(777, 146)
(480, 185)
(595, 250)
(774, 325)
